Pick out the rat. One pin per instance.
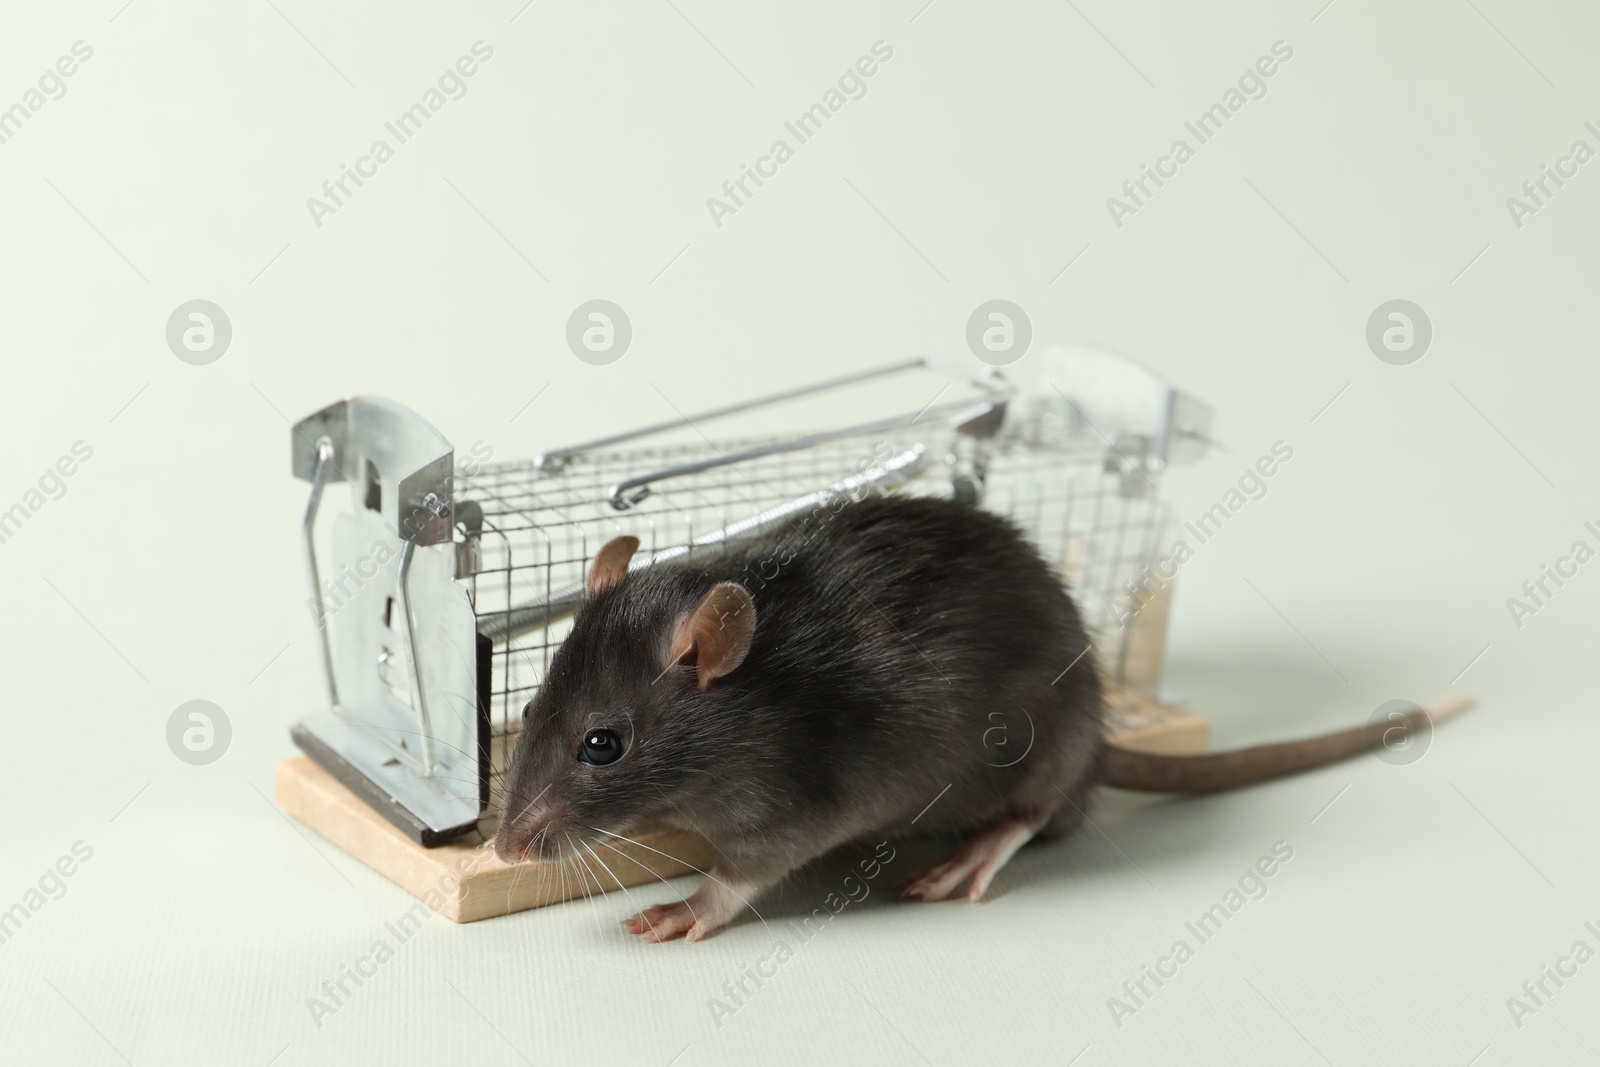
(833, 681)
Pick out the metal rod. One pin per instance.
(621, 498)
(308, 528)
(425, 724)
(557, 458)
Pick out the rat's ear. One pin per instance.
(715, 637)
(610, 564)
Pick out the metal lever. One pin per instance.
(324, 448)
(557, 459)
(630, 491)
(424, 720)
(978, 417)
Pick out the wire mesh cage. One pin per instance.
(430, 661)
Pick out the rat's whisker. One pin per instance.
(529, 805)
(535, 846)
(657, 875)
(511, 823)
(696, 828)
(583, 882)
(511, 890)
(599, 888)
(641, 913)
(741, 897)
(580, 882)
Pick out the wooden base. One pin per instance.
(1137, 722)
(464, 882)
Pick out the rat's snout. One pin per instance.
(538, 831)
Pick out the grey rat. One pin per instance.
(835, 681)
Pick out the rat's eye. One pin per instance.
(600, 747)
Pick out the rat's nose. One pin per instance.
(532, 834)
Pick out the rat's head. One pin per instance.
(624, 725)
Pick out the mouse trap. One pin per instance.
(440, 594)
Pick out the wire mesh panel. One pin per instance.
(1093, 512)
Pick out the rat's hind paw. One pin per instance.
(936, 882)
(979, 858)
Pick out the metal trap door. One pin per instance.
(405, 727)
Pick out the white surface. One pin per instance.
(1414, 906)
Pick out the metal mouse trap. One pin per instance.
(440, 592)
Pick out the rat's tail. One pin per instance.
(1217, 771)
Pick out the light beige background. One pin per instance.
(177, 166)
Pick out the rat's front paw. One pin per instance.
(709, 909)
(668, 922)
